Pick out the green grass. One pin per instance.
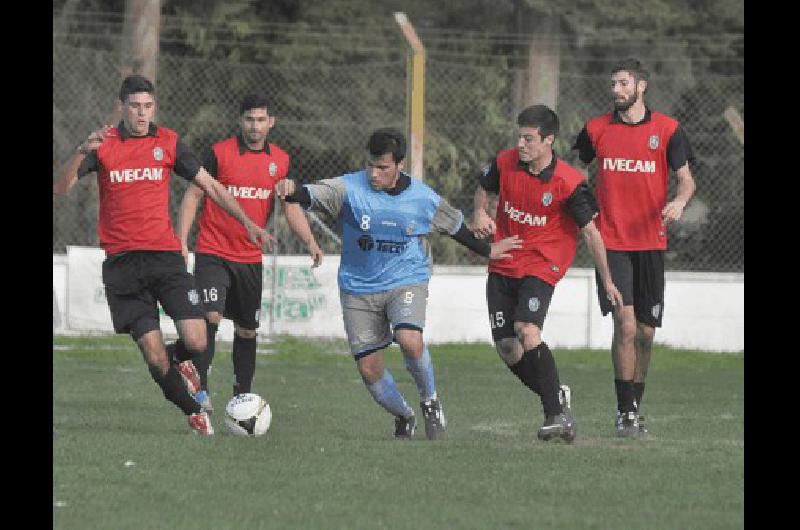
(329, 461)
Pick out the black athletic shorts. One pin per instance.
(230, 288)
(639, 276)
(516, 299)
(136, 280)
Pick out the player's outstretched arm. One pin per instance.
(68, 174)
(186, 214)
(221, 196)
(594, 242)
(299, 225)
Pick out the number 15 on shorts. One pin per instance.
(497, 320)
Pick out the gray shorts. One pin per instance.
(370, 318)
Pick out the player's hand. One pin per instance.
(94, 140)
(284, 187)
(613, 295)
(259, 236)
(482, 225)
(316, 254)
(500, 248)
(185, 253)
(673, 211)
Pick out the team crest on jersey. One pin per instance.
(486, 171)
(194, 299)
(158, 153)
(547, 198)
(533, 304)
(258, 314)
(653, 142)
(410, 228)
(273, 169)
(656, 310)
(555, 269)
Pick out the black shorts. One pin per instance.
(136, 281)
(639, 276)
(230, 288)
(516, 300)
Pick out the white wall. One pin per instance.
(703, 311)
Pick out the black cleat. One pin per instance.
(642, 429)
(559, 426)
(435, 421)
(404, 428)
(627, 425)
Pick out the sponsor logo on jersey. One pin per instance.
(533, 304)
(246, 192)
(653, 143)
(365, 243)
(629, 166)
(524, 217)
(158, 153)
(273, 169)
(392, 247)
(132, 175)
(547, 198)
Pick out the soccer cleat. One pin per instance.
(627, 424)
(200, 423)
(404, 428)
(642, 428)
(204, 400)
(435, 421)
(558, 426)
(190, 377)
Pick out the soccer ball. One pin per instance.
(248, 415)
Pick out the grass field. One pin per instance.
(124, 457)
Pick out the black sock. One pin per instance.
(546, 377)
(177, 352)
(625, 396)
(203, 360)
(174, 389)
(524, 371)
(638, 392)
(244, 363)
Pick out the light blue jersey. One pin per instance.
(382, 235)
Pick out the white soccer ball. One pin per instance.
(248, 415)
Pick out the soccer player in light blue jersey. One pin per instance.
(385, 268)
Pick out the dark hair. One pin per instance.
(253, 101)
(135, 83)
(539, 117)
(632, 66)
(387, 140)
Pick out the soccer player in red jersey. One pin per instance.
(635, 149)
(545, 202)
(143, 264)
(228, 267)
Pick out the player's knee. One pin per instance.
(142, 327)
(195, 342)
(371, 372)
(245, 333)
(528, 334)
(644, 336)
(508, 352)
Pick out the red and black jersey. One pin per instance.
(133, 175)
(632, 169)
(249, 176)
(544, 210)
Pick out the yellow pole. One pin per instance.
(417, 113)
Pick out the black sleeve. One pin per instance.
(210, 162)
(88, 165)
(584, 146)
(186, 162)
(467, 238)
(300, 196)
(582, 205)
(490, 177)
(679, 151)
